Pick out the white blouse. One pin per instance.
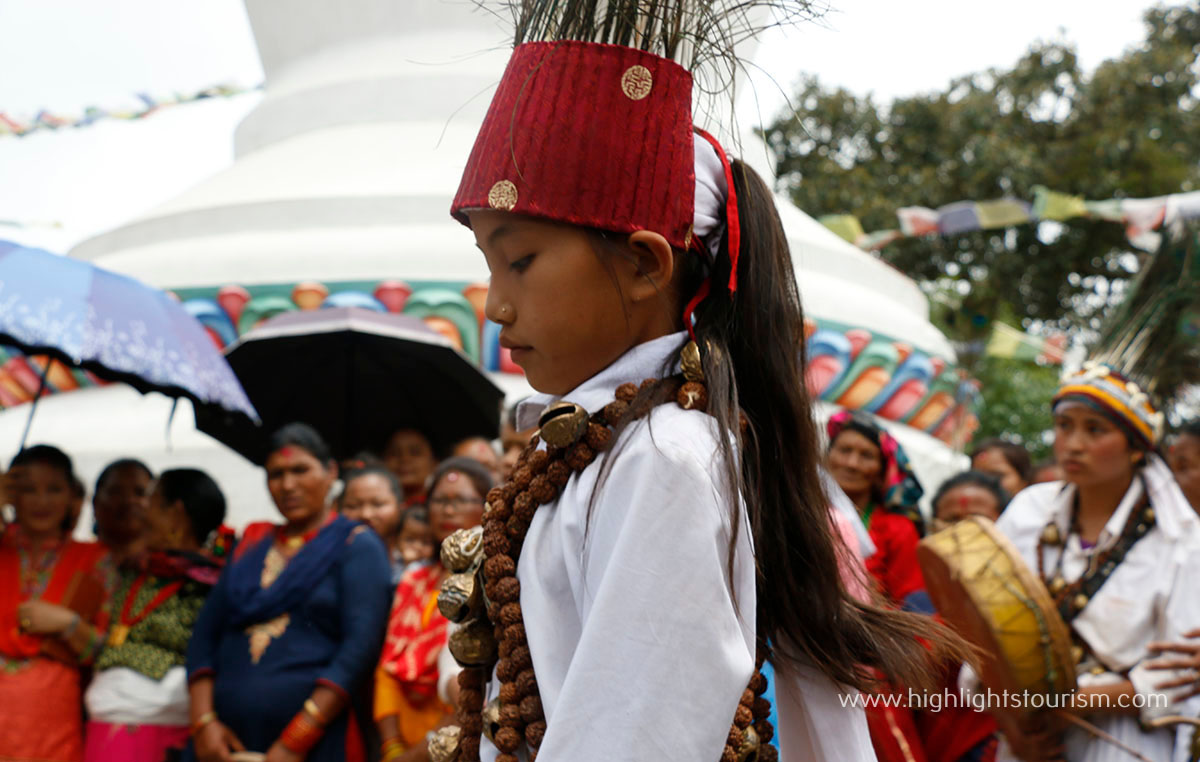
(641, 642)
(1154, 594)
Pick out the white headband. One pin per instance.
(712, 194)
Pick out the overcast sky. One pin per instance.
(68, 54)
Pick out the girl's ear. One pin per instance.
(655, 262)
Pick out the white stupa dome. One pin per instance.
(343, 176)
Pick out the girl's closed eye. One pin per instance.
(522, 264)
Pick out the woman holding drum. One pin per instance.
(1118, 549)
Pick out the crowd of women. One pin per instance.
(318, 638)
(170, 638)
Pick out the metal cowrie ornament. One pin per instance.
(1051, 535)
(443, 743)
(463, 549)
(748, 751)
(473, 644)
(459, 595)
(491, 719)
(563, 424)
(689, 360)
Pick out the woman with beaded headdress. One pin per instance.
(667, 530)
(1115, 542)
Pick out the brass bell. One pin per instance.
(458, 596)
(1080, 601)
(1057, 585)
(689, 360)
(491, 719)
(563, 424)
(1077, 653)
(748, 751)
(443, 744)
(461, 550)
(473, 644)
(1148, 515)
(1051, 535)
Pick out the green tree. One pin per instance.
(1129, 129)
(1017, 393)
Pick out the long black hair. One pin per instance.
(202, 499)
(305, 437)
(753, 354)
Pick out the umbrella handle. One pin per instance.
(170, 420)
(34, 404)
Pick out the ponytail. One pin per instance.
(753, 353)
(753, 349)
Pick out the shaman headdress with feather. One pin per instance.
(592, 122)
(1149, 349)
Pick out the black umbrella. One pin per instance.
(356, 376)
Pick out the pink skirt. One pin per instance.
(132, 743)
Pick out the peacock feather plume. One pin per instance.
(1153, 337)
(700, 35)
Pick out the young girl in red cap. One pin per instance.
(667, 529)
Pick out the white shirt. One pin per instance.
(639, 649)
(1154, 594)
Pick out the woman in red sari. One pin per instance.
(53, 616)
(407, 705)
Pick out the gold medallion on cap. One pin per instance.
(503, 196)
(636, 82)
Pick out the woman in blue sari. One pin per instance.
(282, 653)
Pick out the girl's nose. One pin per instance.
(497, 309)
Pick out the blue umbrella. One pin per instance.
(114, 326)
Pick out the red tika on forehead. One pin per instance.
(587, 134)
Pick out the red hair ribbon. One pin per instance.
(733, 230)
(733, 234)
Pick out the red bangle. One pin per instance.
(301, 734)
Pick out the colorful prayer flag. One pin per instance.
(846, 226)
(1002, 213)
(877, 239)
(1008, 342)
(1052, 205)
(917, 220)
(959, 217)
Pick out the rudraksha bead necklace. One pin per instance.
(573, 439)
